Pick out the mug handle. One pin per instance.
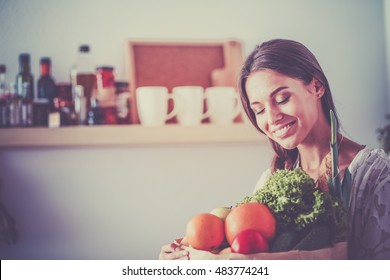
(210, 110)
(173, 112)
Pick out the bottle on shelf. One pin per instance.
(25, 89)
(122, 102)
(46, 95)
(3, 86)
(95, 114)
(80, 105)
(46, 85)
(83, 74)
(24, 79)
(3, 97)
(68, 115)
(106, 93)
(27, 106)
(14, 107)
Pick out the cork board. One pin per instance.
(170, 64)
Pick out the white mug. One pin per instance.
(190, 104)
(152, 105)
(225, 103)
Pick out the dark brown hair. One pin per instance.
(294, 60)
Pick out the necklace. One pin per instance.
(325, 170)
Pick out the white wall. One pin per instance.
(127, 202)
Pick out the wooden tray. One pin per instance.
(181, 63)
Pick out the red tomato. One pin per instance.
(249, 241)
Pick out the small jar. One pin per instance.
(122, 102)
(105, 77)
(106, 86)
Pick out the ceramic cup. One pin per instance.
(225, 103)
(152, 105)
(190, 105)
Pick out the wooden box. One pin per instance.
(181, 63)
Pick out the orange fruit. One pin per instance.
(252, 215)
(205, 231)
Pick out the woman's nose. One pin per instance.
(274, 115)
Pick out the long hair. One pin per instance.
(294, 60)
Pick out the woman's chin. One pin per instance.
(286, 144)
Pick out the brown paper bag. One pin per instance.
(337, 252)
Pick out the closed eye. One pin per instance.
(283, 101)
(258, 111)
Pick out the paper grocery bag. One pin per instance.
(337, 252)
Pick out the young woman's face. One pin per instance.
(286, 109)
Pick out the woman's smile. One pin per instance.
(285, 130)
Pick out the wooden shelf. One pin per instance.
(124, 135)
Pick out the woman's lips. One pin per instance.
(282, 131)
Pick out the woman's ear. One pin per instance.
(317, 87)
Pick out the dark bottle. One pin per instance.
(95, 114)
(3, 86)
(27, 107)
(46, 85)
(3, 97)
(14, 107)
(25, 89)
(24, 79)
(122, 102)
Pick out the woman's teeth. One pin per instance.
(281, 131)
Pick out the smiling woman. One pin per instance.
(286, 96)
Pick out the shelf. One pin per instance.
(124, 135)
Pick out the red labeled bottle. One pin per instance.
(106, 95)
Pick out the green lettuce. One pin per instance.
(297, 204)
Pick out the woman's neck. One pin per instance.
(313, 150)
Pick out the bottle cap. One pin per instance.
(45, 60)
(104, 68)
(24, 58)
(84, 48)
(122, 84)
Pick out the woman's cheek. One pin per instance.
(262, 123)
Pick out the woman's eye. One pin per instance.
(283, 100)
(258, 111)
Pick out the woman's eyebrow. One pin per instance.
(272, 94)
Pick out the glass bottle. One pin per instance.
(3, 86)
(95, 113)
(14, 107)
(83, 74)
(24, 79)
(106, 93)
(3, 97)
(122, 102)
(66, 104)
(46, 85)
(80, 105)
(27, 106)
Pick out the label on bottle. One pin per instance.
(27, 114)
(54, 119)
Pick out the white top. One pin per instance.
(369, 205)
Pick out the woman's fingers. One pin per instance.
(173, 251)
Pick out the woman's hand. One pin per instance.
(173, 251)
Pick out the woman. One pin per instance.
(287, 97)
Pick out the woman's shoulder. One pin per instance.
(369, 158)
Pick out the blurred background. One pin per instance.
(126, 202)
